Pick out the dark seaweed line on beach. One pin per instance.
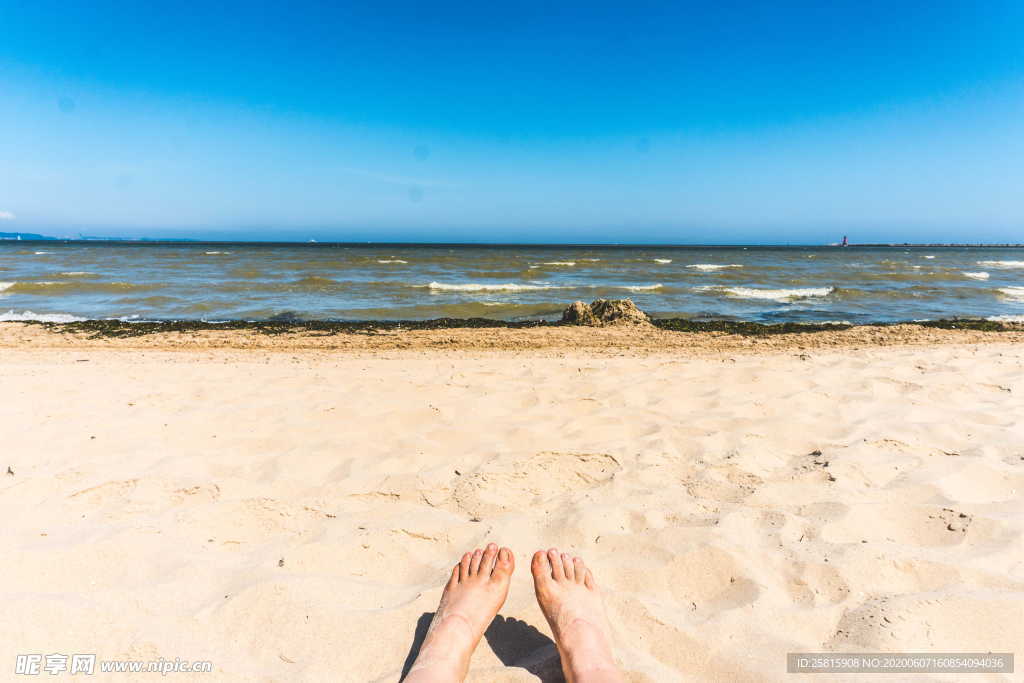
(116, 328)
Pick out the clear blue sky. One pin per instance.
(631, 122)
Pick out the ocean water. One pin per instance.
(204, 281)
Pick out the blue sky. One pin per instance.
(579, 122)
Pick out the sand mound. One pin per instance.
(507, 482)
(605, 312)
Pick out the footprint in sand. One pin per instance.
(241, 524)
(910, 524)
(724, 484)
(510, 482)
(111, 492)
(935, 621)
(710, 580)
(131, 496)
(817, 584)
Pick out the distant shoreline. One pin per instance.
(478, 245)
(897, 245)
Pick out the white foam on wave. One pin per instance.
(474, 287)
(40, 253)
(928, 256)
(640, 288)
(214, 253)
(1012, 293)
(391, 260)
(514, 287)
(11, 317)
(559, 263)
(76, 273)
(976, 276)
(6, 285)
(592, 260)
(713, 266)
(1006, 318)
(663, 260)
(770, 294)
(1002, 264)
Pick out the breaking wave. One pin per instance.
(514, 287)
(770, 294)
(1002, 264)
(472, 287)
(713, 266)
(639, 288)
(27, 316)
(976, 276)
(1012, 293)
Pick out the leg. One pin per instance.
(572, 605)
(472, 597)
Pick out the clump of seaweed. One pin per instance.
(746, 329)
(751, 329)
(970, 324)
(99, 329)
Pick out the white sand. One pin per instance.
(156, 494)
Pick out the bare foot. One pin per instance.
(472, 597)
(573, 607)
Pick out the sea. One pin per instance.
(62, 281)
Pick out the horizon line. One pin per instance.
(582, 245)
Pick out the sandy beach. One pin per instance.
(288, 507)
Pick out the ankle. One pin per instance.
(434, 672)
(586, 655)
(431, 667)
(584, 668)
(445, 652)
